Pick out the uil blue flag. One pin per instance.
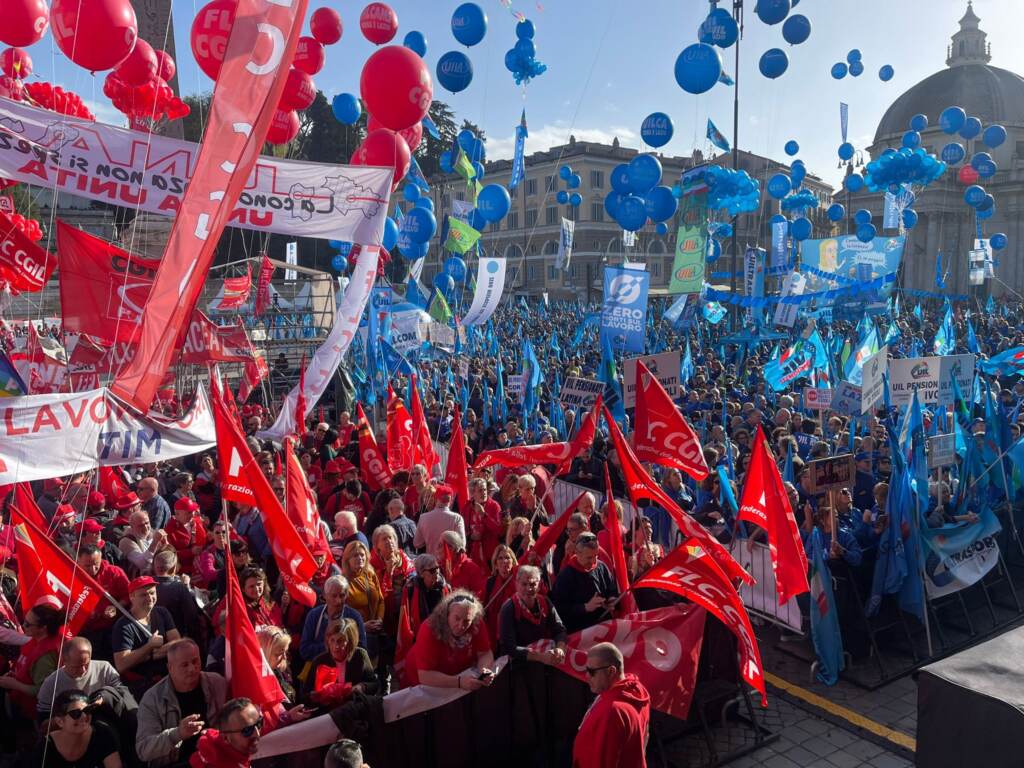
(415, 175)
(716, 137)
(945, 337)
(686, 367)
(519, 159)
(828, 642)
(624, 311)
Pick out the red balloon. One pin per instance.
(95, 34)
(299, 91)
(325, 26)
(166, 68)
(11, 88)
(396, 87)
(23, 22)
(378, 23)
(284, 127)
(309, 56)
(16, 63)
(967, 176)
(413, 135)
(141, 66)
(385, 149)
(210, 30)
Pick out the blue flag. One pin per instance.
(431, 127)
(945, 337)
(612, 387)
(828, 641)
(972, 339)
(394, 361)
(519, 159)
(500, 413)
(414, 294)
(715, 137)
(990, 306)
(866, 347)
(1006, 363)
(940, 281)
(686, 368)
(415, 175)
(788, 475)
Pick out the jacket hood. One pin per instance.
(630, 691)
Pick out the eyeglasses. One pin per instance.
(77, 714)
(591, 671)
(250, 730)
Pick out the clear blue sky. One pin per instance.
(610, 63)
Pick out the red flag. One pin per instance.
(669, 673)
(255, 371)
(401, 455)
(236, 290)
(456, 473)
(263, 285)
(627, 604)
(26, 504)
(24, 266)
(766, 504)
(421, 431)
(640, 485)
(45, 570)
(584, 437)
(242, 480)
(549, 536)
(661, 434)
(47, 363)
(688, 571)
(245, 666)
(405, 638)
(259, 51)
(372, 465)
(300, 401)
(300, 501)
(207, 342)
(112, 484)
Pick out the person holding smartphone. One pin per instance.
(453, 647)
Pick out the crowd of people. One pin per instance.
(412, 588)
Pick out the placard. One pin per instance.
(931, 378)
(514, 385)
(817, 398)
(580, 393)
(941, 451)
(832, 473)
(664, 366)
(846, 399)
(872, 380)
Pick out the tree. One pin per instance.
(476, 129)
(429, 152)
(193, 124)
(322, 139)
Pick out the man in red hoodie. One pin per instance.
(613, 733)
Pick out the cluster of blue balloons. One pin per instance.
(521, 58)
(469, 24)
(853, 66)
(976, 197)
(954, 120)
(656, 129)
(346, 108)
(799, 201)
(732, 190)
(904, 166)
(572, 181)
(698, 68)
(719, 29)
(637, 195)
(339, 262)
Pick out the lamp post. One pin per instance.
(737, 14)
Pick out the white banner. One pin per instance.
(817, 399)
(664, 367)
(930, 377)
(490, 282)
(327, 358)
(56, 435)
(793, 285)
(442, 336)
(121, 167)
(565, 244)
(846, 399)
(872, 381)
(408, 330)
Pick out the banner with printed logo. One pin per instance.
(753, 278)
(957, 556)
(490, 282)
(688, 266)
(565, 236)
(624, 311)
(930, 377)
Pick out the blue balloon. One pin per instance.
(411, 193)
(390, 234)
(416, 42)
(526, 49)
(445, 162)
(979, 159)
(465, 139)
(339, 263)
(525, 30)
(952, 119)
(801, 228)
(971, 128)
(346, 109)
(455, 268)
(632, 213)
(796, 29)
(477, 220)
(846, 151)
(856, 69)
(564, 172)
(412, 251)
(792, 147)
(660, 204)
(562, 197)
(836, 212)
(443, 282)
(863, 216)
(912, 139)
(698, 68)
(779, 186)
(574, 181)
(778, 218)
(714, 251)
(478, 167)
(909, 218)
(419, 225)
(612, 201)
(772, 11)
(661, 228)
(335, 244)
(513, 61)
(987, 209)
(886, 73)
(839, 70)
(854, 182)
(986, 168)
(454, 71)
(953, 153)
(469, 24)
(425, 202)
(797, 173)
(998, 241)
(853, 55)
(723, 230)
(477, 150)
(576, 199)
(974, 195)
(918, 122)
(774, 62)
(719, 29)
(866, 233)
(620, 178)
(345, 248)
(644, 173)
(656, 129)
(993, 136)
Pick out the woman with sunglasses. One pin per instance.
(74, 741)
(36, 659)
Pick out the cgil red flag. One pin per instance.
(372, 465)
(254, 372)
(640, 485)
(425, 452)
(300, 501)
(242, 481)
(627, 604)
(765, 503)
(456, 473)
(24, 266)
(23, 499)
(236, 291)
(263, 285)
(245, 666)
(688, 571)
(661, 435)
(550, 535)
(300, 400)
(401, 452)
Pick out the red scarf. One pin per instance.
(573, 562)
(213, 751)
(522, 612)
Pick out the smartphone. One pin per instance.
(486, 675)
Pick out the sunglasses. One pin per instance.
(591, 671)
(250, 730)
(77, 714)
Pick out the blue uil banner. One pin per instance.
(957, 556)
(624, 313)
(840, 261)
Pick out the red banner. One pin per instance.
(584, 437)
(255, 371)
(300, 501)
(456, 473)
(372, 464)
(207, 342)
(425, 452)
(259, 51)
(661, 434)
(688, 571)
(236, 291)
(24, 266)
(263, 285)
(661, 647)
(401, 453)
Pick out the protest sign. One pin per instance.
(846, 399)
(817, 399)
(786, 313)
(514, 385)
(873, 381)
(624, 311)
(831, 473)
(941, 451)
(664, 366)
(580, 393)
(930, 377)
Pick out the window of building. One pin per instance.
(655, 269)
(574, 271)
(597, 179)
(572, 212)
(531, 186)
(549, 183)
(551, 215)
(531, 217)
(552, 273)
(460, 195)
(550, 248)
(597, 211)
(512, 220)
(531, 272)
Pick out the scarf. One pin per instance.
(575, 563)
(213, 751)
(522, 612)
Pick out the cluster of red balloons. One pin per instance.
(95, 34)
(28, 227)
(139, 89)
(57, 99)
(16, 63)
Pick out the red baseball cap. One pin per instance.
(444, 489)
(141, 582)
(96, 500)
(186, 504)
(89, 525)
(64, 512)
(126, 501)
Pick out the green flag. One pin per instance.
(439, 310)
(464, 167)
(461, 236)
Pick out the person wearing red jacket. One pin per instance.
(186, 533)
(613, 733)
(460, 571)
(234, 740)
(485, 523)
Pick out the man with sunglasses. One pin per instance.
(235, 739)
(614, 730)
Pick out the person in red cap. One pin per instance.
(124, 505)
(331, 480)
(614, 730)
(90, 531)
(186, 533)
(49, 499)
(63, 526)
(138, 644)
(115, 582)
(432, 524)
(96, 508)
